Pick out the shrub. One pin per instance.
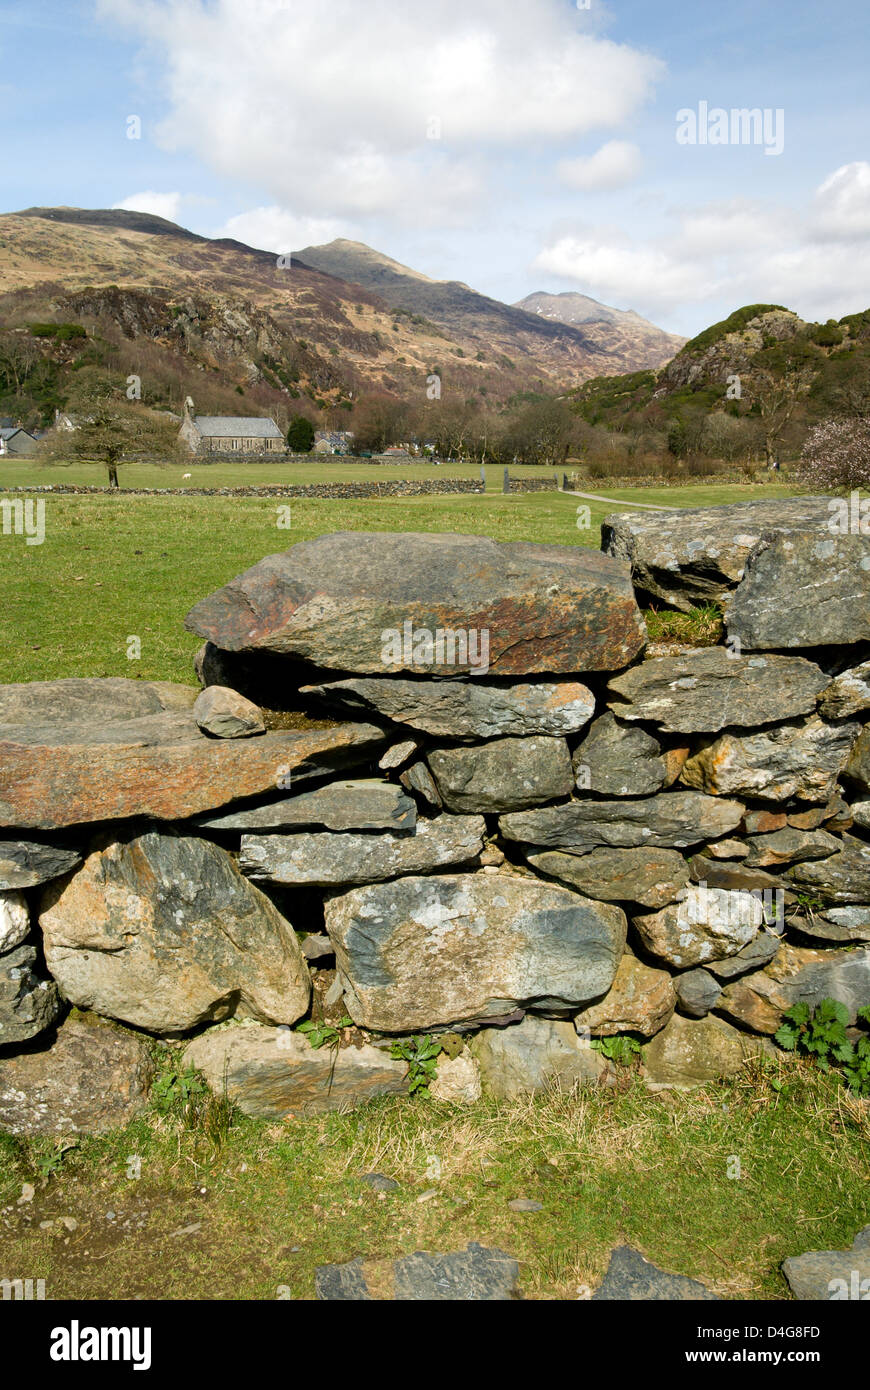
(836, 454)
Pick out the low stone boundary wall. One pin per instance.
(391, 487)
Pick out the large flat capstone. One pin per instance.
(697, 556)
(423, 952)
(807, 589)
(377, 603)
(75, 751)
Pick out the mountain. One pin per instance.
(597, 343)
(639, 343)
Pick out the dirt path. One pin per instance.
(638, 506)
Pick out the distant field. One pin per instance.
(26, 472)
(115, 567)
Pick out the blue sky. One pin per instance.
(555, 166)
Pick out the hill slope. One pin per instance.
(638, 343)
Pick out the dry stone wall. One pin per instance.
(434, 784)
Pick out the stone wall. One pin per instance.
(434, 784)
(389, 487)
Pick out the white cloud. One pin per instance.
(327, 103)
(613, 166)
(159, 204)
(275, 229)
(815, 259)
(842, 204)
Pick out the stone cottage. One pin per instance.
(229, 434)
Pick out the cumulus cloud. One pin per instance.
(344, 108)
(748, 251)
(613, 166)
(275, 229)
(159, 204)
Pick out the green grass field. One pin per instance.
(114, 567)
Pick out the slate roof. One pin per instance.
(230, 426)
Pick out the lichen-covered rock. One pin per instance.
(375, 603)
(533, 1055)
(503, 775)
(709, 688)
(618, 761)
(225, 713)
(477, 1275)
(790, 846)
(274, 1073)
(347, 804)
(797, 975)
(88, 1078)
(669, 820)
(837, 925)
(857, 769)
(651, 877)
(466, 709)
(424, 952)
(707, 924)
(334, 861)
(640, 1000)
(164, 933)
(458, 1080)
(801, 759)
(689, 1052)
(806, 589)
(697, 555)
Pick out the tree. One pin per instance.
(775, 396)
(112, 430)
(836, 454)
(300, 435)
(378, 420)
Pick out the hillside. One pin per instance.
(587, 347)
(156, 298)
(638, 343)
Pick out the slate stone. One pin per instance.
(26, 863)
(790, 846)
(837, 925)
(64, 763)
(329, 861)
(848, 693)
(842, 878)
(424, 952)
(29, 1003)
(476, 1274)
(808, 589)
(801, 759)
(365, 804)
(857, 769)
(273, 1073)
(88, 1078)
(164, 933)
(697, 555)
(14, 920)
(225, 713)
(418, 779)
(831, 1275)
(466, 709)
(617, 761)
(397, 754)
(534, 1055)
(798, 975)
(697, 992)
(632, 1278)
(651, 877)
(669, 820)
(708, 689)
(760, 950)
(505, 774)
(342, 601)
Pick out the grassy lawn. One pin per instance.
(231, 1208)
(29, 472)
(115, 567)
